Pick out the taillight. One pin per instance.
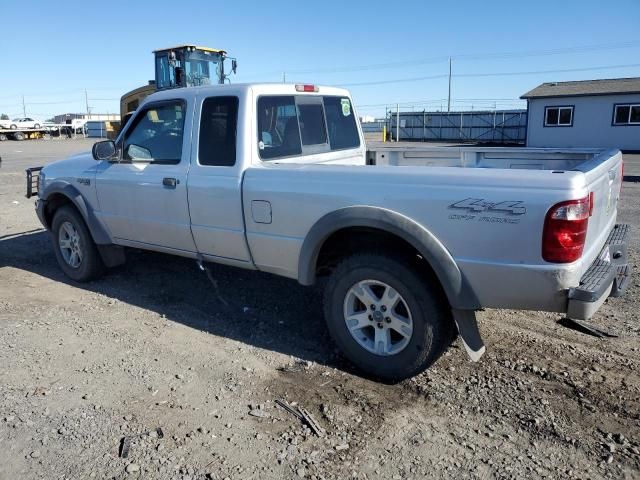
(565, 230)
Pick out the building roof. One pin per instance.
(582, 88)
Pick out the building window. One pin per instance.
(626, 114)
(558, 116)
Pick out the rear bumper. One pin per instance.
(607, 276)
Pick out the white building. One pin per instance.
(62, 118)
(589, 113)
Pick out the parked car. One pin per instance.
(412, 241)
(24, 123)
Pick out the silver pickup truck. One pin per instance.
(412, 241)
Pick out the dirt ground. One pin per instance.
(152, 345)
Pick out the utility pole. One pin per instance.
(284, 77)
(449, 97)
(24, 108)
(397, 122)
(86, 102)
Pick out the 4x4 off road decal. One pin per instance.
(481, 210)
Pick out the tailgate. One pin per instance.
(604, 181)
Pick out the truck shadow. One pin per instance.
(255, 308)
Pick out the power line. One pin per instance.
(565, 70)
(494, 74)
(472, 56)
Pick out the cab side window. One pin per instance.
(218, 129)
(156, 134)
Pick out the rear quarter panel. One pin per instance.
(498, 251)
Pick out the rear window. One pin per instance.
(278, 131)
(291, 125)
(312, 128)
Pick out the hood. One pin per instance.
(76, 165)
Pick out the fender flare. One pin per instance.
(97, 230)
(454, 284)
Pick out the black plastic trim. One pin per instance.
(98, 232)
(457, 289)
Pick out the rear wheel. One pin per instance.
(389, 320)
(37, 125)
(74, 248)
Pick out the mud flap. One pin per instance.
(112, 255)
(469, 333)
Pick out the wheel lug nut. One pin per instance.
(373, 307)
(387, 319)
(371, 317)
(384, 308)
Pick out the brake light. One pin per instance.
(307, 88)
(565, 230)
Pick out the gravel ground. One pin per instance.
(153, 345)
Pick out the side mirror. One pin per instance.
(234, 65)
(105, 150)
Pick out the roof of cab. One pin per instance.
(257, 88)
(196, 47)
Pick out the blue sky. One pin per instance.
(105, 48)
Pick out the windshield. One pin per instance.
(202, 68)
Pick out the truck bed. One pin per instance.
(486, 157)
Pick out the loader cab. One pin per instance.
(180, 66)
(189, 66)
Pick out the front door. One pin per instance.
(143, 197)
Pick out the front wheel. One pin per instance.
(388, 319)
(74, 248)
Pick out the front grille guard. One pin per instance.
(33, 181)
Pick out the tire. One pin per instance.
(13, 127)
(90, 266)
(3, 137)
(37, 125)
(18, 136)
(419, 302)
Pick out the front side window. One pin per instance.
(626, 114)
(558, 116)
(165, 72)
(156, 134)
(218, 123)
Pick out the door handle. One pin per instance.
(170, 182)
